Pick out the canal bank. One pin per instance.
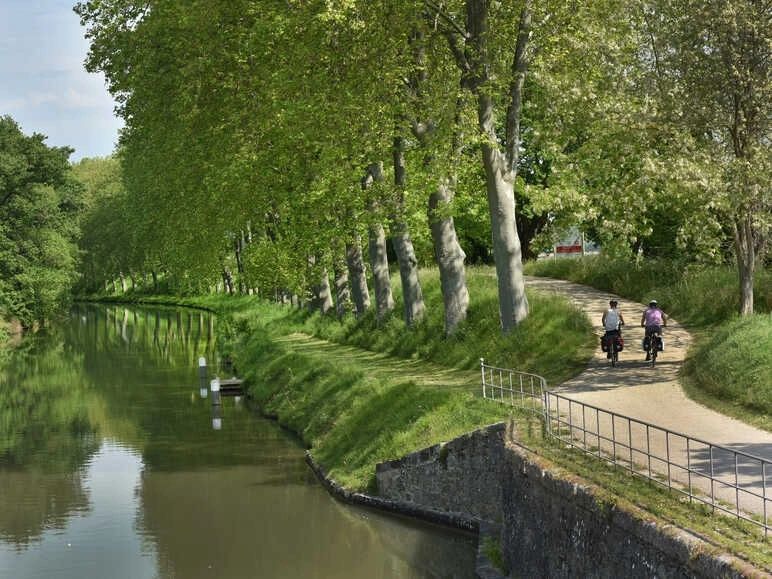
(548, 521)
(355, 408)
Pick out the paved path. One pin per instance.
(654, 395)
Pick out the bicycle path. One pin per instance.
(653, 394)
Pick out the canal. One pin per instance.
(112, 464)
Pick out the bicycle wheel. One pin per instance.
(614, 352)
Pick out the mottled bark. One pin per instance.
(342, 291)
(357, 277)
(238, 246)
(412, 295)
(449, 257)
(321, 295)
(448, 253)
(500, 166)
(227, 279)
(379, 261)
(746, 261)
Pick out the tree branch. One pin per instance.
(519, 67)
(446, 17)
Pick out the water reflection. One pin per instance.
(112, 463)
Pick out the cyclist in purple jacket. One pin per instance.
(653, 320)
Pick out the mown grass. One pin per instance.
(355, 412)
(555, 341)
(734, 363)
(729, 367)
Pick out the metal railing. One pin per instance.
(727, 480)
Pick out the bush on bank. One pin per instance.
(731, 360)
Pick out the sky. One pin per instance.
(43, 84)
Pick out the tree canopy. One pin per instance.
(250, 126)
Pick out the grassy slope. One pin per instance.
(730, 365)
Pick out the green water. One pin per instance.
(113, 465)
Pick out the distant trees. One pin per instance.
(40, 204)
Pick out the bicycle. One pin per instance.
(652, 342)
(614, 344)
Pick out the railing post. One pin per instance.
(736, 487)
(689, 466)
(712, 491)
(667, 449)
(482, 372)
(764, 497)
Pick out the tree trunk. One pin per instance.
(379, 261)
(238, 246)
(412, 296)
(321, 295)
(342, 292)
(513, 305)
(448, 253)
(155, 281)
(746, 261)
(500, 166)
(227, 279)
(449, 257)
(123, 282)
(356, 272)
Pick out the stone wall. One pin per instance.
(550, 526)
(463, 475)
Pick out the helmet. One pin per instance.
(653, 303)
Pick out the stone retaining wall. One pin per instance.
(463, 475)
(550, 526)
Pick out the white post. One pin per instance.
(482, 375)
(214, 386)
(202, 375)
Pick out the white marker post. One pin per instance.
(202, 377)
(216, 418)
(214, 386)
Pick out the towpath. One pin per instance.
(654, 395)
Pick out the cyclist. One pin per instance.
(653, 319)
(612, 320)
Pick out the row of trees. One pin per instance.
(278, 142)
